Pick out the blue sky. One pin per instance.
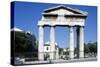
(27, 15)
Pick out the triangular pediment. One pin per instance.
(64, 10)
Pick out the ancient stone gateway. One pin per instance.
(62, 16)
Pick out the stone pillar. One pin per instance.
(71, 43)
(41, 44)
(81, 42)
(52, 43)
(57, 53)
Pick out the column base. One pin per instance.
(81, 54)
(52, 56)
(40, 56)
(71, 54)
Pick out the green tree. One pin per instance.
(86, 48)
(24, 43)
(92, 47)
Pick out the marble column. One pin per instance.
(71, 43)
(41, 44)
(52, 43)
(81, 42)
(57, 53)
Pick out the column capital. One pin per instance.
(80, 26)
(70, 26)
(53, 26)
(41, 26)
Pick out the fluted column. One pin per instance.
(81, 42)
(71, 42)
(41, 44)
(52, 43)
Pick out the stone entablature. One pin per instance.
(62, 15)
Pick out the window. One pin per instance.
(47, 48)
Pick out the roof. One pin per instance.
(16, 29)
(48, 44)
(75, 11)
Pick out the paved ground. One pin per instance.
(61, 61)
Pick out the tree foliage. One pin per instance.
(90, 47)
(24, 43)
